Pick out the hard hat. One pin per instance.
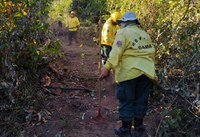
(72, 12)
(128, 16)
(115, 16)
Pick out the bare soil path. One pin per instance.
(73, 108)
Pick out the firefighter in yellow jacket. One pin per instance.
(72, 25)
(132, 59)
(108, 33)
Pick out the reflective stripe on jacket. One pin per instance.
(132, 54)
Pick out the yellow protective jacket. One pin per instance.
(132, 54)
(72, 24)
(108, 32)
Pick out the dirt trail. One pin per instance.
(72, 112)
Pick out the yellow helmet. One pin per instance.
(115, 16)
(72, 12)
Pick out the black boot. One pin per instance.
(125, 130)
(138, 127)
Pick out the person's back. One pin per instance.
(138, 53)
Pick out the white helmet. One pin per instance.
(128, 16)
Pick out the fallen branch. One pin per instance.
(173, 90)
(159, 125)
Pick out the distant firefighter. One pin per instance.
(72, 25)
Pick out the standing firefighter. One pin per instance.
(132, 59)
(108, 35)
(72, 25)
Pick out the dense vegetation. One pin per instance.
(25, 43)
(173, 25)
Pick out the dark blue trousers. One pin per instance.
(72, 35)
(133, 97)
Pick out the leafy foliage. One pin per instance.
(24, 42)
(59, 10)
(89, 9)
